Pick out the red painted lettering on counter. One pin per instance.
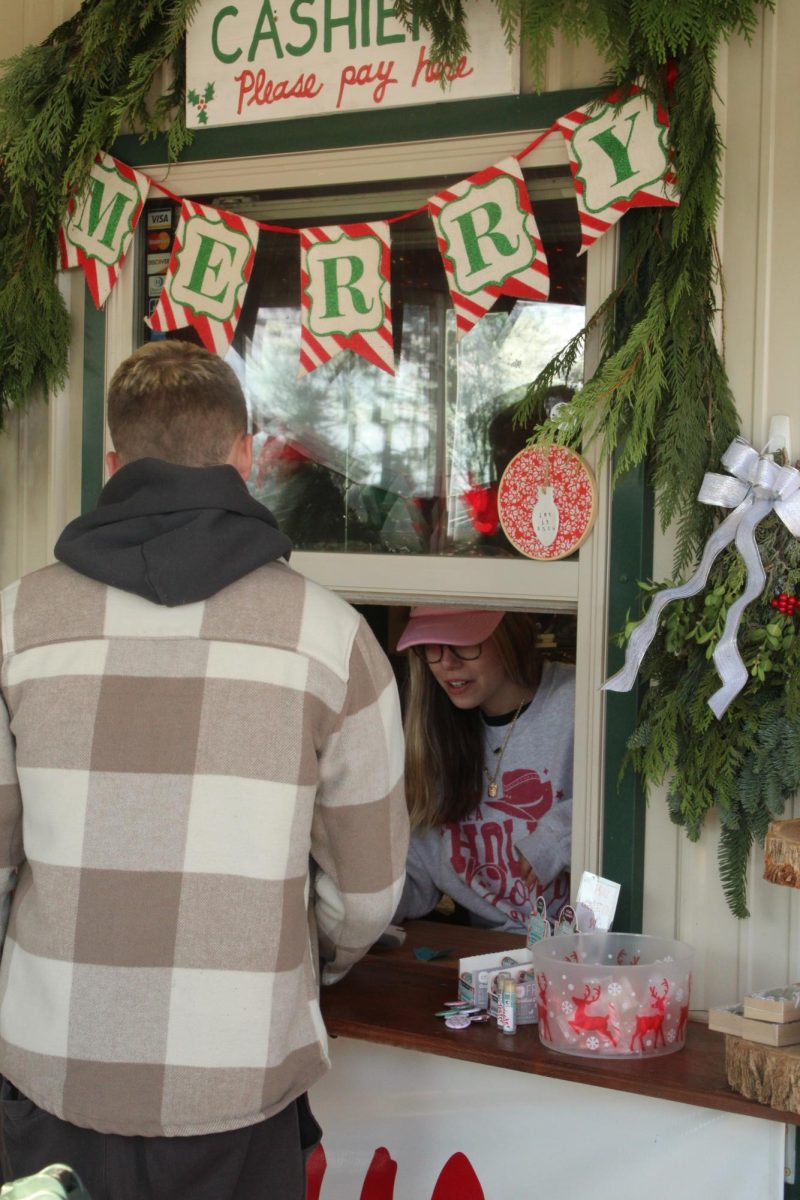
(457, 1178)
(256, 88)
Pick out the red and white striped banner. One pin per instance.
(484, 225)
(619, 158)
(489, 242)
(345, 294)
(212, 259)
(100, 224)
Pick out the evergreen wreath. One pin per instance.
(660, 394)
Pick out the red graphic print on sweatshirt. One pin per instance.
(482, 846)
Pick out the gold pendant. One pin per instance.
(492, 789)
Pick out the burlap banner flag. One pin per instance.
(345, 294)
(619, 160)
(212, 258)
(489, 242)
(100, 224)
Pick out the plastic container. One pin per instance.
(613, 995)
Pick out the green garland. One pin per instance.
(60, 103)
(660, 394)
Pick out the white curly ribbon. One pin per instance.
(755, 487)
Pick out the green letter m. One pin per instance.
(94, 213)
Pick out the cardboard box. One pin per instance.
(766, 1033)
(727, 1020)
(476, 973)
(776, 1004)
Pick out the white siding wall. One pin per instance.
(760, 245)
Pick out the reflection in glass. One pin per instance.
(350, 458)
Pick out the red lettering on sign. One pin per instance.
(433, 71)
(368, 73)
(256, 88)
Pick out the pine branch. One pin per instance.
(61, 103)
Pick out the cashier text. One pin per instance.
(270, 59)
(354, 29)
(255, 87)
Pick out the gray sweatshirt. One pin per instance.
(474, 860)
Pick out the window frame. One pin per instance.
(348, 149)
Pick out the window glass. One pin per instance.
(350, 458)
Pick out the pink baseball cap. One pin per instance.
(430, 623)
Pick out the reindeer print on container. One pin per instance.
(605, 994)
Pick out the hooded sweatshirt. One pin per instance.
(172, 534)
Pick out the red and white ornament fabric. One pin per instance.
(100, 223)
(209, 270)
(345, 294)
(547, 502)
(619, 159)
(489, 242)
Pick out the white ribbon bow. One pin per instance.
(755, 487)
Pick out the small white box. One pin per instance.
(476, 973)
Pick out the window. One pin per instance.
(352, 459)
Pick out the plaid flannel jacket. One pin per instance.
(166, 775)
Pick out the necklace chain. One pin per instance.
(491, 780)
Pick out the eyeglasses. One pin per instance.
(432, 653)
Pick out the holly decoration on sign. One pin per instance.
(201, 102)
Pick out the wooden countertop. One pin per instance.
(390, 997)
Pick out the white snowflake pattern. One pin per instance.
(614, 989)
(671, 1035)
(593, 1042)
(567, 1007)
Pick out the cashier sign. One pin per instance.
(262, 60)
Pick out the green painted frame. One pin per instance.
(632, 512)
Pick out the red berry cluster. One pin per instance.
(788, 605)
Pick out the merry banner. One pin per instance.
(485, 227)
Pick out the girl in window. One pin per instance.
(489, 744)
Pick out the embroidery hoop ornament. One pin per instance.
(555, 483)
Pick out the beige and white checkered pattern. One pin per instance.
(165, 776)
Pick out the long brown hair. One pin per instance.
(444, 744)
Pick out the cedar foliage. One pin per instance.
(60, 103)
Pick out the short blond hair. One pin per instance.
(175, 401)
